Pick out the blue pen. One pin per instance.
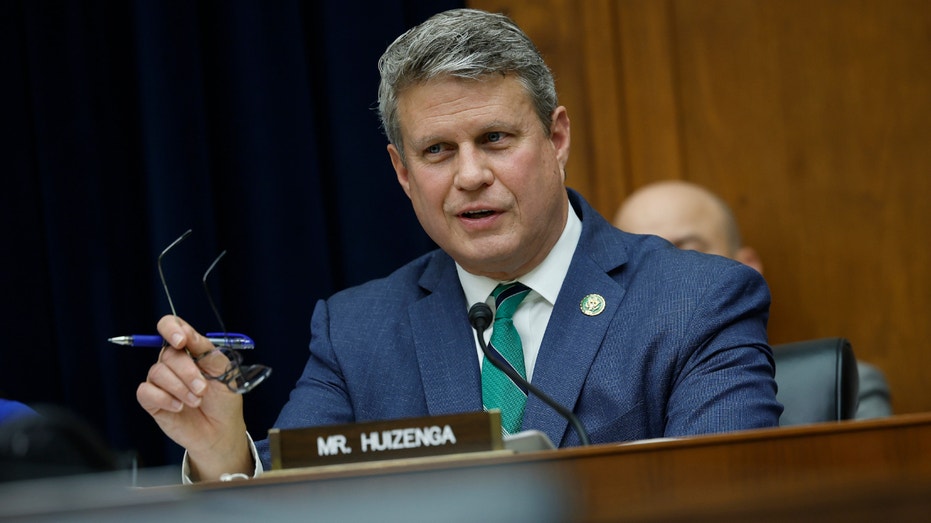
(232, 340)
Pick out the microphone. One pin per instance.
(480, 317)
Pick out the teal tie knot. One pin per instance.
(507, 297)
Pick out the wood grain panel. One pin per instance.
(651, 107)
(811, 118)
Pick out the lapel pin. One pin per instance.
(592, 305)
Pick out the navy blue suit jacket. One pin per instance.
(680, 348)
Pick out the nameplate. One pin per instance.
(380, 440)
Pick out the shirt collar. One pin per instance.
(545, 279)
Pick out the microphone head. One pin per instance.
(480, 316)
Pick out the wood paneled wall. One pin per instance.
(812, 118)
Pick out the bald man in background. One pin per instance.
(692, 217)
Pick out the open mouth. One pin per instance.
(474, 215)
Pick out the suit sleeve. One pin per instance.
(320, 396)
(725, 378)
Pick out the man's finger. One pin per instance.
(181, 335)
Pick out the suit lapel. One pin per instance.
(571, 342)
(573, 338)
(445, 343)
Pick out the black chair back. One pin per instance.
(817, 379)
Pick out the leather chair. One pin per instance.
(817, 379)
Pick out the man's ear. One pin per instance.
(749, 257)
(559, 135)
(399, 168)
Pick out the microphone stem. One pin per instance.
(566, 413)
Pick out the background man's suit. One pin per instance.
(649, 365)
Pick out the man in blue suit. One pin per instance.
(639, 339)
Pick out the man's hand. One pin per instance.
(204, 416)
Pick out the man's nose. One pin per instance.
(473, 170)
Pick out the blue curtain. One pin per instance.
(127, 123)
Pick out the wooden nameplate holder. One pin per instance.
(384, 440)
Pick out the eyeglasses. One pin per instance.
(223, 363)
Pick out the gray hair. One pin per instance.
(462, 43)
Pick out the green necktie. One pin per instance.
(498, 390)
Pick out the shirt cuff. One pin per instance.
(186, 467)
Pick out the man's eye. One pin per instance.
(494, 137)
(434, 149)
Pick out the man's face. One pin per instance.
(485, 181)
